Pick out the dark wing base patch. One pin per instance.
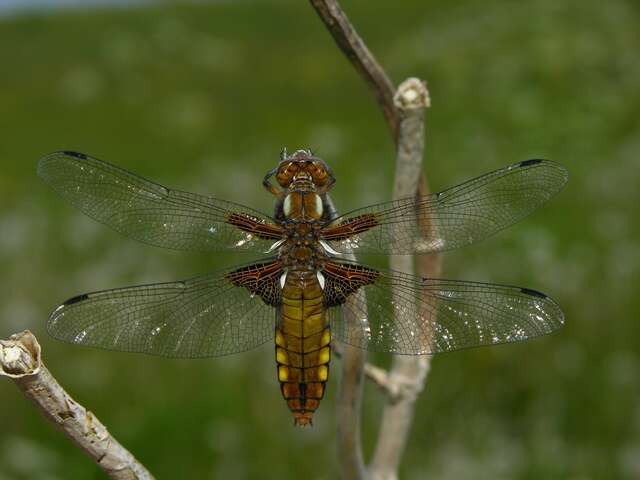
(260, 279)
(350, 227)
(254, 226)
(343, 279)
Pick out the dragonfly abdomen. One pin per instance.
(302, 345)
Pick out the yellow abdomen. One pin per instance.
(302, 345)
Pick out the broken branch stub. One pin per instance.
(20, 360)
(20, 355)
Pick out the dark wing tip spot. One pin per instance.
(533, 161)
(76, 299)
(533, 293)
(79, 155)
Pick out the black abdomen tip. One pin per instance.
(76, 299)
(528, 163)
(533, 293)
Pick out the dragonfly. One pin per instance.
(307, 291)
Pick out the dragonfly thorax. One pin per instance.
(300, 205)
(302, 248)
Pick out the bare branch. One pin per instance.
(411, 99)
(21, 361)
(404, 114)
(348, 404)
(360, 57)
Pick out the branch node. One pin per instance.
(380, 377)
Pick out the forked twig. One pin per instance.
(20, 355)
(403, 111)
(20, 360)
(408, 371)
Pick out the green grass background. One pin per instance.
(203, 98)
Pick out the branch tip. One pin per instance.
(20, 355)
(412, 94)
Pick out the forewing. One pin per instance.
(154, 214)
(455, 217)
(406, 315)
(207, 316)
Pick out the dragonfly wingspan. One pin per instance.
(403, 314)
(153, 214)
(206, 316)
(453, 218)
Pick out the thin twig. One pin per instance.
(383, 381)
(20, 360)
(375, 374)
(360, 57)
(349, 395)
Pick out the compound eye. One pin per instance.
(285, 174)
(319, 173)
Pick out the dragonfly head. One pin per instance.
(300, 171)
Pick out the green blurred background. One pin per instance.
(203, 98)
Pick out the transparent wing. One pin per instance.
(151, 213)
(203, 317)
(407, 315)
(450, 219)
